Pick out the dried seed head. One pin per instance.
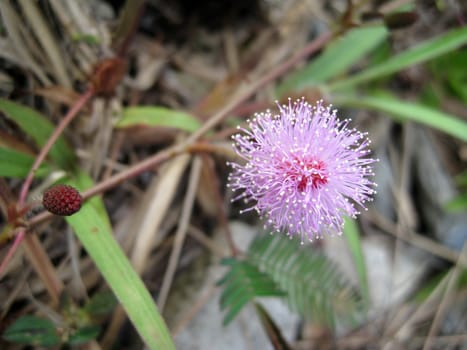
(62, 200)
(107, 75)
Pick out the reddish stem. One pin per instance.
(37, 163)
(11, 251)
(137, 169)
(50, 142)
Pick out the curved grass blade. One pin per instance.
(408, 111)
(338, 57)
(94, 232)
(418, 54)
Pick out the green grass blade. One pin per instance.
(39, 129)
(352, 235)
(157, 116)
(17, 164)
(95, 234)
(420, 53)
(336, 59)
(408, 111)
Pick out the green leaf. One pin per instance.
(315, 288)
(32, 330)
(157, 116)
(352, 235)
(101, 303)
(336, 59)
(94, 232)
(17, 164)
(39, 129)
(276, 265)
(408, 111)
(242, 283)
(84, 334)
(418, 54)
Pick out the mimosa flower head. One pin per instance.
(303, 170)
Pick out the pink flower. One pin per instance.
(304, 169)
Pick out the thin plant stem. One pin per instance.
(37, 163)
(51, 141)
(133, 171)
(11, 251)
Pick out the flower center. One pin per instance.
(306, 173)
(314, 173)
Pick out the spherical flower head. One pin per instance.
(62, 200)
(304, 169)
